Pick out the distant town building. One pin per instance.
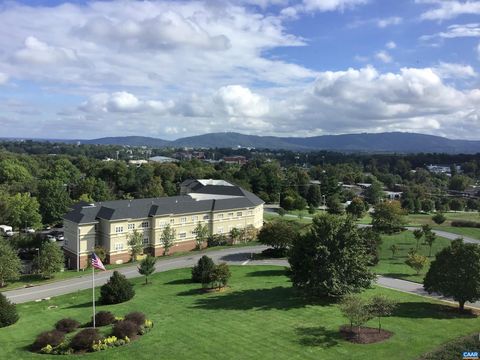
(443, 169)
(162, 159)
(239, 160)
(137, 162)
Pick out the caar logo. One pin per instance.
(470, 355)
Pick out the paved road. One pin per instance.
(234, 256)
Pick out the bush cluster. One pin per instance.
(52, 338)
(103, 318)
(217, 240)
(136, 317)
(8, 312)
(111, 341)
(125, 328)
(67, 325)
(84, 339)
(466, 223)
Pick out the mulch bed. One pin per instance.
(366, 335)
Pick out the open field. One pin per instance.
(259, 317)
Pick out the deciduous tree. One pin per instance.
(167, 239)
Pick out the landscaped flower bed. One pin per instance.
(69, 338)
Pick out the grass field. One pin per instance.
(396, 267)
(259, 317)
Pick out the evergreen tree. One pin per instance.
(147, 267)
(8, 312)
(117, 290)
(314, 196)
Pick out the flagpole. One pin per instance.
(93, 292)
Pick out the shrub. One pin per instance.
(117, 290)
(439, 218)
(217, 240)
(451, 350)
(52, 338)
(466, 223)
(218, 277)
(205, 264)
(125, 328)
(85, 339)
(136, 317)
(103, 318)
(67, 325)
(8, 312)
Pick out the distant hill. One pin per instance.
(381, 142)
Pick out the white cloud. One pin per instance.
(394, 20)
(449, 9)
(124, 102)
(331, 5)
(454, 71)
(478, 51)
(3, 78)
(239, 101)
(383, 56)
(36, 52)
(391, 45)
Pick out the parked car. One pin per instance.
(51, 238)
(5, 228)
(9, 233)
(29, 230)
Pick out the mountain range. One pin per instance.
(366, 142)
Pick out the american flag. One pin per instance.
(97, 263)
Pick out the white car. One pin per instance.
(9, 233)
(60, 238)
(51, 238)
(29, 230)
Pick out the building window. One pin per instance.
(131, 226)
(182, 235)
(163, 223)
(220, 216)
(183, 220)
(239, 214)
(144, 224)
(194, 218)
(206, 217)
(146, 241)
(119, 229)
(118, 246)
(220, 230)
(230, 215)
(249, 212)
(172, 221)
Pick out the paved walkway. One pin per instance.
(233, 256)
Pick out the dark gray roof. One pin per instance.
(143, 208)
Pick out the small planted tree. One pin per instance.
(430, 238)
(219, 276)
(10, 264)
(356, 208)
(167, 239)
(50, 260)
(201, 235)
(356, 310)
(439, 218)
(8, 312)
(135, 241)
(393, 248)
(416, 261)
(381, 306)
(147, 267)
(117, 290)
(418, 234)
(235, 235)
(203, 269)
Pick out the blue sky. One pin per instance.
(85, 69)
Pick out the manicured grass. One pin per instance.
(35, 280)
(259, 317)
(396, 267)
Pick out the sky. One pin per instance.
(170, 69)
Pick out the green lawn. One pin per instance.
(35, 280)
(259, 317)
(396, 267)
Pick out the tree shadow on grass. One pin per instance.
(276, 272)
(82, 305)
(278, 298)
(318, 336)
(179, 282)
(429, 310)
(397, 275)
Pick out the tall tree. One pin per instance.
(374, 193)
(135, 241)
(10, 264)
(201, 235)
(388, 217)
(278, 234)
(356, 208)
(22, 210)
(54, 200)
(331, 259)
(167, 239)
(50, 259)
(314, 196)
(455, 273)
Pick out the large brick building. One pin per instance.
(216, 203)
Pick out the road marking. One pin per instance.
(246, 262)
